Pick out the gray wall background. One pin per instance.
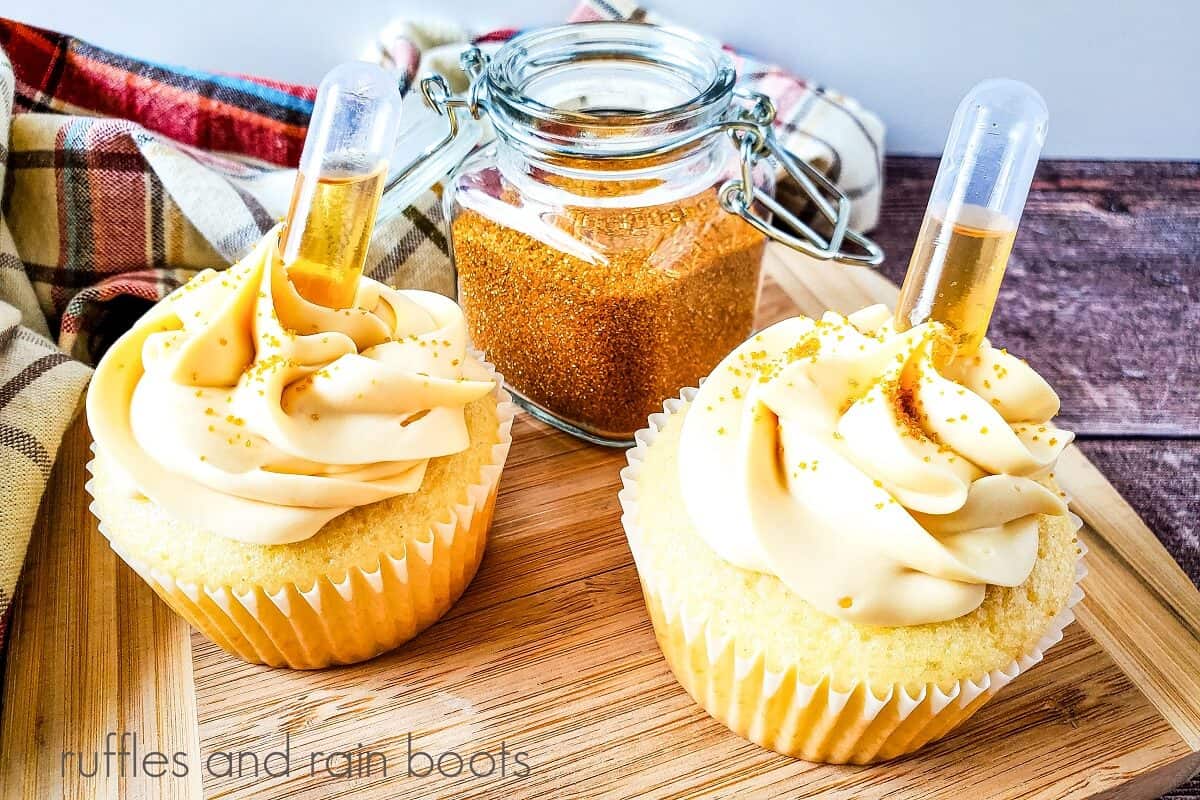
(1121, 78)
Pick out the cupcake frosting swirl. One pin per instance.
(879, 480)
(240, 407)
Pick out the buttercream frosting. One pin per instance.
(240, 407)
(880, 479)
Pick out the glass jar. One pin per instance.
(608, 243)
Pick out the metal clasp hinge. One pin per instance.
(752, 133)
(437, 96)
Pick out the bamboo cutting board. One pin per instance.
(550, 656)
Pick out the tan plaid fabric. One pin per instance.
(39, 390)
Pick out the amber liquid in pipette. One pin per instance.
(955, 273)
(336, 233)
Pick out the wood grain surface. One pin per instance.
(1161, 479)
(93, 652)
(550, 654)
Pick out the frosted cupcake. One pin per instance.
(847, 544)
(307, 486)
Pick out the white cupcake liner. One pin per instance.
(342, 619)
(778, 710)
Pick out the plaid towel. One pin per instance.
(123, 178)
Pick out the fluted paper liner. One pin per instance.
(342, 619)
(778, 710)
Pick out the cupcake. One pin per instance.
(307, 486)
(848, 540)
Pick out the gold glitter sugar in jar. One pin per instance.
(608, 243)
(600, 341)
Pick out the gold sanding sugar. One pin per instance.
(603, 344)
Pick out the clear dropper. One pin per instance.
(342, 173)
(974, 209)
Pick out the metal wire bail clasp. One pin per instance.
(750, 130)
(437, 96)
(752, 133)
